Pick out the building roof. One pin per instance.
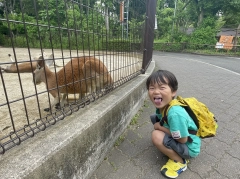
(227, 32)
(223, 31)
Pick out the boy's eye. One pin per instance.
(151, 88)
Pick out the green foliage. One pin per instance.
(195, 48)
(169, 47)
(136, 28)
(165, 21)
(52, 11)
(208, 22)
(121, 45)
(179, 36)
(162, 40)
(2, 39)
(119, 140)
(70, 25)
(4, 29)
(220, 23)
(231, 13)
(205, 33)
(135, 119)
(203, 36)
(195, 14)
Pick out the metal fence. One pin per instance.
(78, 49)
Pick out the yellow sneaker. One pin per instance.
(172, 168)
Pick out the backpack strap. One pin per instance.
(165, 119)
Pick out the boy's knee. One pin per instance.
(157, 137)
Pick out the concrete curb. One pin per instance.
(74, 147)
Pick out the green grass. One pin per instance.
(212, 52)
(135, 119)
(119, 140)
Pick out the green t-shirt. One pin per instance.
(179, 122)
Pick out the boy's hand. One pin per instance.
(182, 140)
(157, 126)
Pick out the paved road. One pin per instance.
(214, 81)
(230, 63)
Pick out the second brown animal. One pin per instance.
(80, 75)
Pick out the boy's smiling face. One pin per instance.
(160, 94)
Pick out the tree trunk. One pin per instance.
(106, 18)
(200, 16)
(236, 37)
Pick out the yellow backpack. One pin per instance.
(203, 118)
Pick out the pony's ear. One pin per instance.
(10, 56)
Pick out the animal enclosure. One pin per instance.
(58, 31)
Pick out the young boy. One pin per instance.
(171, 138)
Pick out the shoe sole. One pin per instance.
(183, 169)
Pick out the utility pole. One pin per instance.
(174, 15)
(236, 35)
(127, 14)
(236, 38)
(124, 10)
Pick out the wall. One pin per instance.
(74, 147)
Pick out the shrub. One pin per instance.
(121, 45)
(205, 33)
(2, 40)
(169, 47)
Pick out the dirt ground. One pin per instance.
(22, 103)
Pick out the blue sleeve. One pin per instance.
(178, 122)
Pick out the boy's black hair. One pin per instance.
(164, 77)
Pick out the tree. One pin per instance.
(205, 33)
(231, 13)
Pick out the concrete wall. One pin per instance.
(75, 146)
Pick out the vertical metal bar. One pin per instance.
(148, 34)
(61, 32)
(75, 3)
(89, 49)
(70, 50)
(40, 42)
(83, 44)
(27, 41)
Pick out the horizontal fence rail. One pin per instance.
(59, 56)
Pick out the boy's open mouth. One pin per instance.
(157, 100)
